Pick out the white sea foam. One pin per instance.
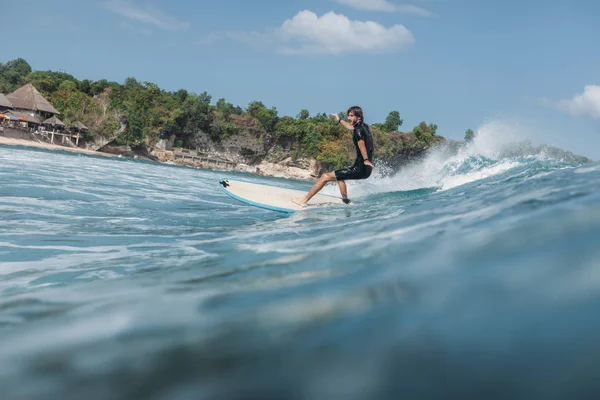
(490, 153)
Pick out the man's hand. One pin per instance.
(369, 164)
(336, 117)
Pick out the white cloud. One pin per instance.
(385, 5)
(332, 33)
(586, 104)
(146, 14)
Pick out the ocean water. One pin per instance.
(471, 275)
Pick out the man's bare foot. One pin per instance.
(299, 201)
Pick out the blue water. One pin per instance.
(123, 279)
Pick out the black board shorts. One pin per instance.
(357, 171)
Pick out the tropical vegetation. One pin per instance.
(145, 113)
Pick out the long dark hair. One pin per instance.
(357, 111)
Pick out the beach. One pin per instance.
(48, 146)
(265, 168)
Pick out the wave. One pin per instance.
(495, 150)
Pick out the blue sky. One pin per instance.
(458, 63)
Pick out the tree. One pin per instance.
(204, 98)
(181, 95)
(286, 126)
(266, 117)
(432, 128)
(392, 122)
(469, 135)
(73, 104)
(195, 114)
(44, 81)
(303, 114)
(103, 100)
(12, 74)
(68, 86)
(422, 132)
(322, 118)
(99, 86)
(85, 86)
(312, 143)
(225, 108)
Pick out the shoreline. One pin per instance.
(263, 169)
(48, 146)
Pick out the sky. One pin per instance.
(533, 65)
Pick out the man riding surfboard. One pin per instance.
(362, 167)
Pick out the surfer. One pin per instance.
(362, 168)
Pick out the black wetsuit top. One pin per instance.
(362, 132)
(359, 170)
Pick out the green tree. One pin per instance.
(44, 81)
(422, 132)
(311, 143)
(13, 74)
(303, 114)
(469, 135)
(68, 85)
(195, 114)
(181, 95)
(85, 86)
(265, 116)
(287, 126)
(322, 118)
(99, 86)
(392, 122)
(225, 108)
(223, 129)
(432, 128)
(73, 104)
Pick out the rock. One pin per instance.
(164, 144)
(122, 150)
(282, 171)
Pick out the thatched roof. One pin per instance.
(4, 102)
(24, 116)
(79, 126)
(54, 122)
(28, 98)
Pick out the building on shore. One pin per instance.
(27, 99)
(26, 107)
(5, 104)
(54, 124)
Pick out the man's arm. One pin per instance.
(363, 152)
(345, 124)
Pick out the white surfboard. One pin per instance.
(272, 197)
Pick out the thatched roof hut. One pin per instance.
(78, 125)
(28, 98)
(24, 117)
(4, 103)
(53, 122)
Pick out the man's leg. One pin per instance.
(343, 189)
(328, 177)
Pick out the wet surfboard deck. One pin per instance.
(272, 197)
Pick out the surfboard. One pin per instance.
(272, 197)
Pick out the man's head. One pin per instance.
(355, 114)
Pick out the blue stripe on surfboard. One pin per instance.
(283, 210)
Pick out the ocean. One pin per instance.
(467, 275)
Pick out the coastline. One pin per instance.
(263, 169)
(48, 146)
